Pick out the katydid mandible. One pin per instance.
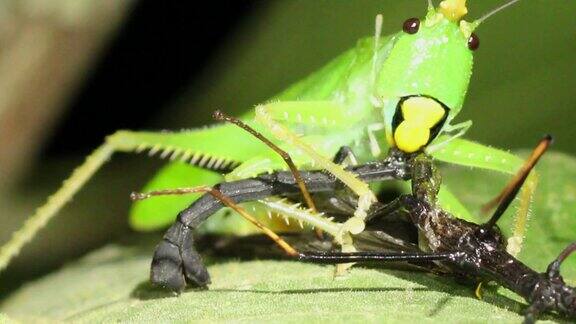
(402, 90)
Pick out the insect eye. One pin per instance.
(473, 42)
(411, 25)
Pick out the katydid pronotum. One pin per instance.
(402, 90)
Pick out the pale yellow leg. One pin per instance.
(522, 214)
(366, 197)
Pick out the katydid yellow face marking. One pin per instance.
(417, 122)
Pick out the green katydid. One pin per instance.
(400, 90)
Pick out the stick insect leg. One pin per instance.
(176, 259)
(170, 257)
(553, 270)
(346, 257)
(539, 305)
(169, 274)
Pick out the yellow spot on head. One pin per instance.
(420, 114)
(453, 10)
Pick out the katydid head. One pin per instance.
(423, 81)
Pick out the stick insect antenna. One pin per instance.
(510, 191)
(218, 115)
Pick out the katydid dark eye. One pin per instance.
(473, 42)
(411, 25)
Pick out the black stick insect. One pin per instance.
(468, 250)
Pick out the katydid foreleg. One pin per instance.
(265, 114)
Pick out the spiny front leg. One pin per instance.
(265, 115)
(355, 224)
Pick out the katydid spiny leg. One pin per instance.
(355, 225)
(166, 144)
(286, 157)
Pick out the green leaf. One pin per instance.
(112, 284)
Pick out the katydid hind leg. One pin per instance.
(199, 157)
(195, 147)
(267, 116)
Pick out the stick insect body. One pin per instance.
(466, 249)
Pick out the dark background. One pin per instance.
(162, 48)
(173, 62)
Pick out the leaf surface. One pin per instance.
(111, 284)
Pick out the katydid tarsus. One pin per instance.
(402, 90)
